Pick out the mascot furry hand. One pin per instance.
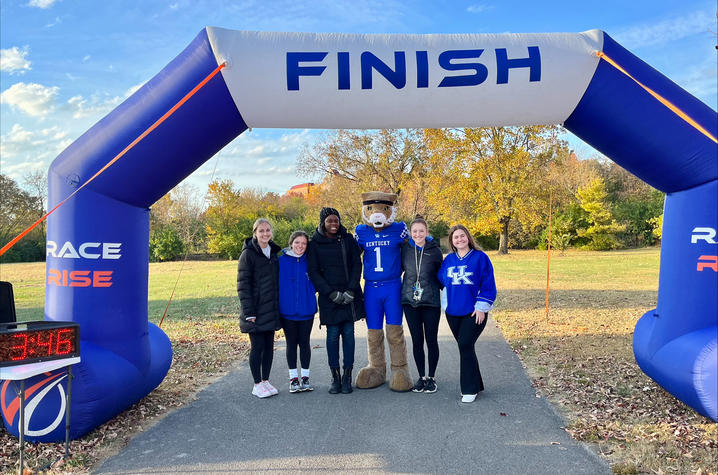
(381, 240)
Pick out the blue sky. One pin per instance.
(66, 63)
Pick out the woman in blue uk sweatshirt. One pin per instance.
(468, 276)
(297, 306)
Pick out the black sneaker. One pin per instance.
(429, 385)
(294, 386)
(306, 386)
(420, 386)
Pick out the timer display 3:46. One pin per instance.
(30, 342)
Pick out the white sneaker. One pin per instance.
(468, 397)
(271, 389)
(260, 391)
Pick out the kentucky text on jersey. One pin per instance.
(298, 64)
(377, 243)
(382, 255)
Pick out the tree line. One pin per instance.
(498, 181)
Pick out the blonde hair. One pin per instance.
(461, 227)
(260, 221)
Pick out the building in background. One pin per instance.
(302, 190)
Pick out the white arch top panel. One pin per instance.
(300, 80)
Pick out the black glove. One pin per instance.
(337, 297)
(348, 297)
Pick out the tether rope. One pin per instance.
(144, 134)
(187, 251)
(660, 98)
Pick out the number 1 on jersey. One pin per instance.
(378, 267)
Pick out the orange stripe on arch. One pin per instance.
(660, 98)
(144, 134)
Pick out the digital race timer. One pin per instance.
(31, 342)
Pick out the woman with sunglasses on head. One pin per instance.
(258, 290)
(421, 259)
(468, 276)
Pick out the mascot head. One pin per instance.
(378, 208)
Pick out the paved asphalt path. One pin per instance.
(227, 430)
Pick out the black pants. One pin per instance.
(297, 333)
(423, 324)
(466, 332)
(261, 354)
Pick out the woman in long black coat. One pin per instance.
(258, 290)
(334, 265)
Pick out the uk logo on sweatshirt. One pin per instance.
(459, 275)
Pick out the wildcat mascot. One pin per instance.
(381, 240)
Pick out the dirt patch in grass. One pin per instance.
(581, 359)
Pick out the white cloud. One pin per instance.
(25, 150)
(174, 6)
(14, 60)
(133, 89)
(268, 172)
(86, 58)
(295, 138)
(258, 150)
(94, 107)
(676, 28)
(57, 21)
(479, 8)
(41, 3)
(17, 135)
(700, 80)
(33, 99)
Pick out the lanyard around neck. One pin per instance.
(417, 261)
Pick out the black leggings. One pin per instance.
(423, 323)
(261, 354)
(297, 333)
(466, 332)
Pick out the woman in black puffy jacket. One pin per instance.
(258, 289)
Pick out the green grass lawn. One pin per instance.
(580, 357)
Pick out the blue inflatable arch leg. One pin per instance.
(675, 344)
(97, 263)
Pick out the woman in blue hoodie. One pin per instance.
(468, 276)
(297, 306)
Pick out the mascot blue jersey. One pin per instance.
(382, 250)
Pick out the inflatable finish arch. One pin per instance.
(97, 264)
